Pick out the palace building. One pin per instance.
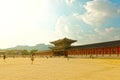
(63, 47)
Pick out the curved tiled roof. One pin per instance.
(63, 40)
(98, 45)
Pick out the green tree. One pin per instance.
(33, 51)
(25, 52)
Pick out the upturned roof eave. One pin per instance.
(63, 40)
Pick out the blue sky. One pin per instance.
(30, 22)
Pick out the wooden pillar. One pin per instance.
(102, 51)
(86, 52)
(111, 51)
(96, 52)
(99, 51)
(107, 50)
(91, 55)
(78, 52)
(82, 52)
(93, 51)
(68, 52)
(117, 48)
(73, 52)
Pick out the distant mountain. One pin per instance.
(25, 47)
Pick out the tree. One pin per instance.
(33, 51)
(25, 52)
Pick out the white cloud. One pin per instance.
(106, 31)
(76, 15)
(66, 28)
(109, 30)
(69, 2)
(102, 35)
(106, 34)
(119, 11)
(98, 11)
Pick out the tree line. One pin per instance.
(19, 52)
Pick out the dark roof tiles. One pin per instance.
(98, 45)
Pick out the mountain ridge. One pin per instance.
(38, 47)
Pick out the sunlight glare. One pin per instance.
(45, 8)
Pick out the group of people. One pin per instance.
(32, 58)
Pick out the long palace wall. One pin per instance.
(44, 53)
(86, 52)
(95, 51)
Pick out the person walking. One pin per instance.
(32, 59)
(4, 57)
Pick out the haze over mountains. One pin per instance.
(26, 47)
